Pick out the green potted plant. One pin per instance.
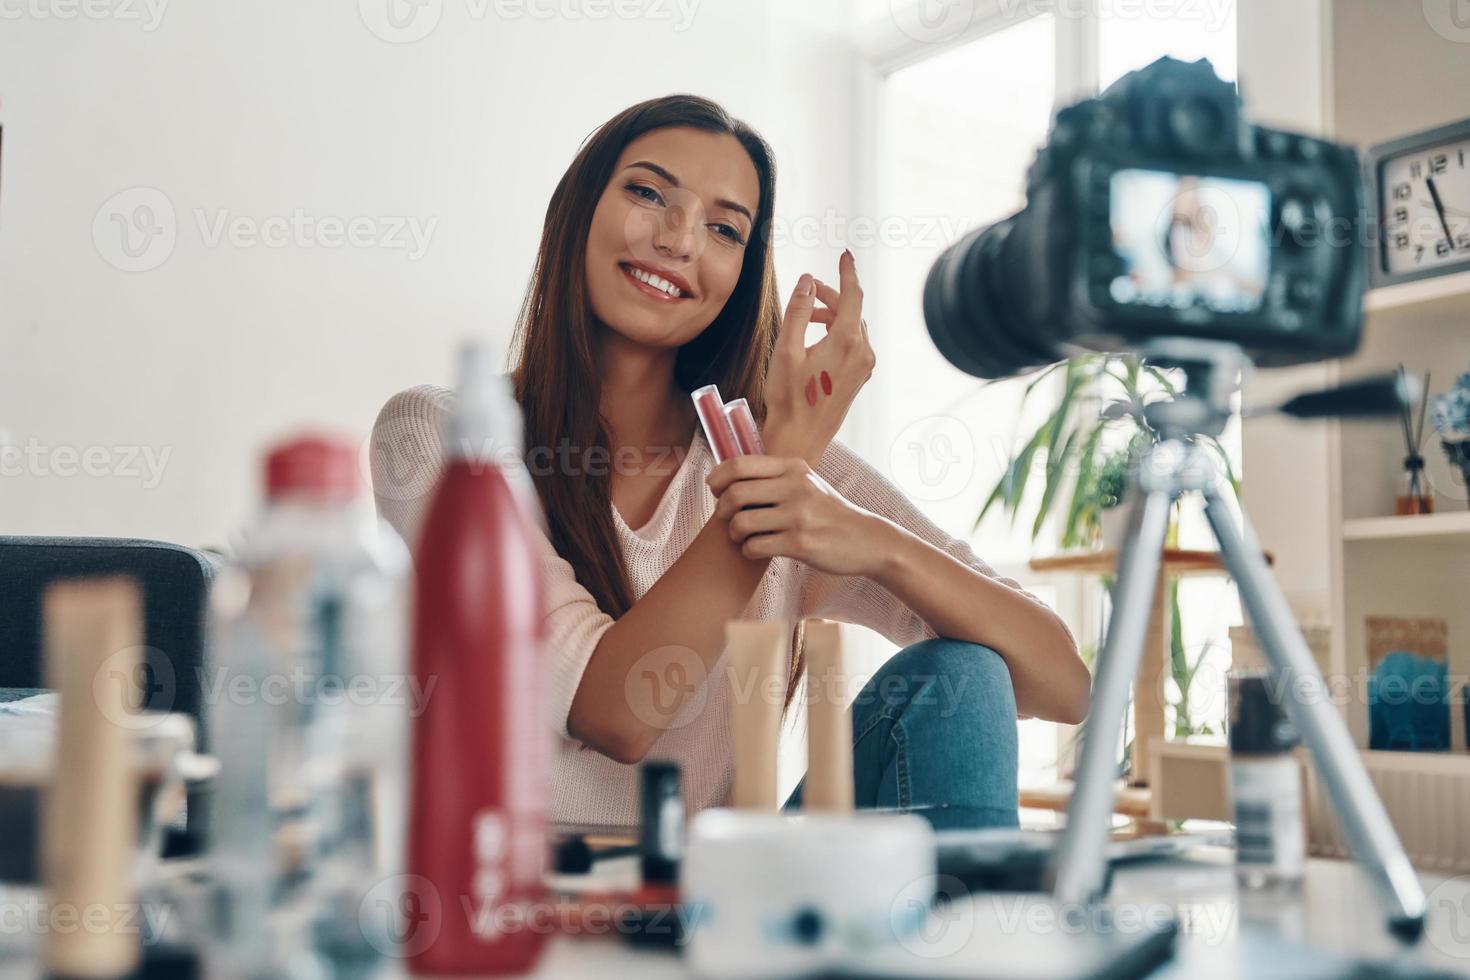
(1108, 491)
(1083, 452)
(1098, 416)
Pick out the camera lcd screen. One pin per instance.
(1190, 241)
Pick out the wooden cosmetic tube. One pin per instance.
(829, 726)
(757, 652)
(93, 641)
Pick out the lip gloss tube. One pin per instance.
(746, 434)
(717, 429)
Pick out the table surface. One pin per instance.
(1222, 934)
(1334, 914)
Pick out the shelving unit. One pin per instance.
(1452, 527)
(1323, 496)
(1444, 296)
(1381, 564)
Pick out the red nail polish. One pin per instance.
(811, 391)
(826, 383)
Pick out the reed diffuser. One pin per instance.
(1417, 499)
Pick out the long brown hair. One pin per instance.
(556, 374)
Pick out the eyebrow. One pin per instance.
(729, 205)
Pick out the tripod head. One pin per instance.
(1213, 372)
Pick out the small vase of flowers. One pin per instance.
(1450, 413)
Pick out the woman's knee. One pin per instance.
(956, 677)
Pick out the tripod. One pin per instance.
(1174, 466)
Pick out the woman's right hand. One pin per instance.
(810, 389)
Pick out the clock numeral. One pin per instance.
(1401, 240)
(1441, 248)
(1418, 252)
(1463, 242)
(1416, 170)
(1401, 191)
(1438, 163)
(1401, 214)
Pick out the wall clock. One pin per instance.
(1418, 189)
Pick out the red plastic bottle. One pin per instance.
(481, 746)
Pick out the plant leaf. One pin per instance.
(1084, 490)
(1056, 465)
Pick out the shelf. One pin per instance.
(1447, 526)
(1443, 296)
(1177, 561)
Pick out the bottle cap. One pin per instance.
(316, 467)
(1258, 721)
(486, 420)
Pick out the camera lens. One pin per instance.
(974, 301)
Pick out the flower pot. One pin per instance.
(1113, 527)
(1458, 453)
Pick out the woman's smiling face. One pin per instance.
(669, 235)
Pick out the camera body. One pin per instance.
(1157, 210)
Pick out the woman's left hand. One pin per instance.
(779, 507)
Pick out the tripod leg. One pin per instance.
(1359, 811)
(1081, 858)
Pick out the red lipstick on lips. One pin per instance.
(684, 289)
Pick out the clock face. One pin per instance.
(1426, 208)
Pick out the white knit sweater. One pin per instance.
(589, 788)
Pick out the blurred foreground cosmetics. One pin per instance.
(310, 703)
(92, 626)
(1265, 785)
(481, 748)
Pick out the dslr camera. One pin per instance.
(1157, 211)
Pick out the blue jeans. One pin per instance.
(936, 727)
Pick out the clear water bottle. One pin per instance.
(310, 701)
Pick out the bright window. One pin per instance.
(956, 129)
(956, 133)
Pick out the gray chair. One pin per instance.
(175, 581)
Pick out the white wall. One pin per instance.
(259, 109)
(1283, 53)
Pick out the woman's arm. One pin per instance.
(659, 652)
(958, 601)
(876, 560)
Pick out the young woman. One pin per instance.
(655, 277)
